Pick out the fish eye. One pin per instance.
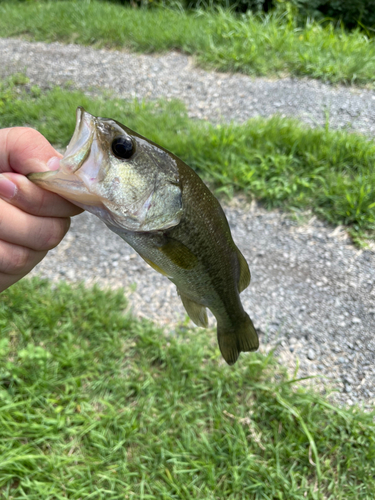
(123, 147)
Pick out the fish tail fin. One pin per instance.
(241, 337)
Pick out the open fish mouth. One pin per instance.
(80, 144)
(68, 181)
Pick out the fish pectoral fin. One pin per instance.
(179, 254)
(245, 276)
(155, 266)
(240, 337)
(196, 312)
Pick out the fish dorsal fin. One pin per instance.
(244, 279)
(196, 312)
(179, 254)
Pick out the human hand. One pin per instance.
(32, 220)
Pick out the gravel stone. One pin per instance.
(311, 354)
(312, 291)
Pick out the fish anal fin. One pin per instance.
(154, 266)
(239, 338)
(179, 254)
(196, 312)
(244, 279)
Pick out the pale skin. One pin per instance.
(32, 220)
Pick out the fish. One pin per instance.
(161, 208)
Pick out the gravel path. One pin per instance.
(207, 95)
(312, 293)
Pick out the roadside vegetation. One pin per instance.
(94, 404)
(278, 161)
(256, 44)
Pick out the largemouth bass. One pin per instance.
(160, 206)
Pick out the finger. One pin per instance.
(15, 262)
(32, 199)
(24, 150)
(36, 233)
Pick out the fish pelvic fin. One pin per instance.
(196, 312)
(241, 338)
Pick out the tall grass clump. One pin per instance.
(352, 13)
(275, 43)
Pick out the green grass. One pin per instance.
(272, 44)
(278, 161)
(94, 404)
